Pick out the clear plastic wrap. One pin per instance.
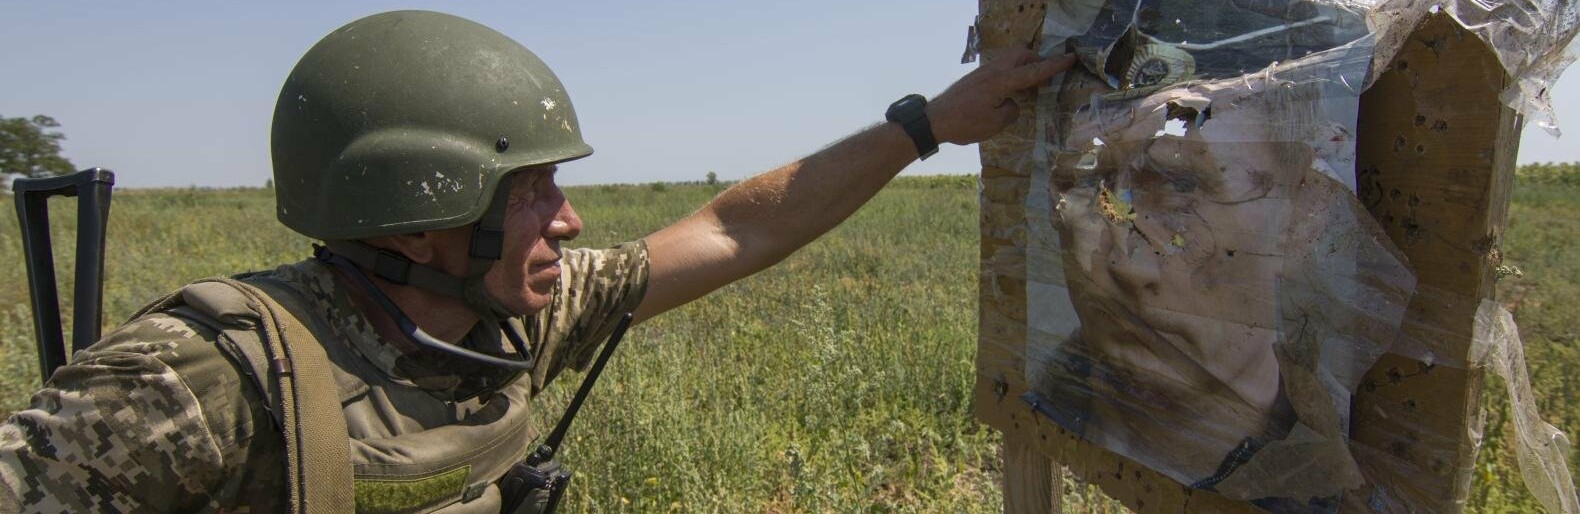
(1543, 449)
(1530, 37)
(1205, 291)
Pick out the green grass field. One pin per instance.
(837, 381)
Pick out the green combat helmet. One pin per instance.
(408, 121)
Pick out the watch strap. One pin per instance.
(921, 132)
(911, 113)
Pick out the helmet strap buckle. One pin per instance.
(392, 266)
(487, 242)
(488, 235)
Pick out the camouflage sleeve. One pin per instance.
(596, 287)
(119, 430)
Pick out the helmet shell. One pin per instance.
(406, 121)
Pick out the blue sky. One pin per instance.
(180, 93)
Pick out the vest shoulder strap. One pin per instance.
(296, 377)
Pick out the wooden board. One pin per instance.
(1435, 166)
(1441, 193)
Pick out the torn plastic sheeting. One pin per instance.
(1261, 113)
(1543, 449)
(1318, 110)
(1531, 39)
(973, 43)
(1142, 45)
(1139, 46)
(1228, 289)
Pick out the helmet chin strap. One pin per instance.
(487, 246)
(475, 295)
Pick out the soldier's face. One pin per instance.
(537, 219)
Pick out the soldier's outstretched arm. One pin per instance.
(764, 219)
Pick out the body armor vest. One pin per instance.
(449, 468)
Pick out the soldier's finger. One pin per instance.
(1036, 73)
(1020, 56)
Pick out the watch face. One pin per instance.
(908, 108)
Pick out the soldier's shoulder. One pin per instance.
(197, 329)
(154, 333)
(152, 409)
(179, 338)
(176, 352)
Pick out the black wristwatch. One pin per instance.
(911, 112)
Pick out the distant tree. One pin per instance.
(29, 148)
(713, 178)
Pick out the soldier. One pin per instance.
(422, 150)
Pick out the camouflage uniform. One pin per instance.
(154, 419)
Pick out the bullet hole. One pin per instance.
(1400, 449)
(1175, 128)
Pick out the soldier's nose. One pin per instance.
(566, 225)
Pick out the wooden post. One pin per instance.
(1031, 483)
(1435, 163)
(1028, 473)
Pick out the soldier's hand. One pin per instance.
(983, 102)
